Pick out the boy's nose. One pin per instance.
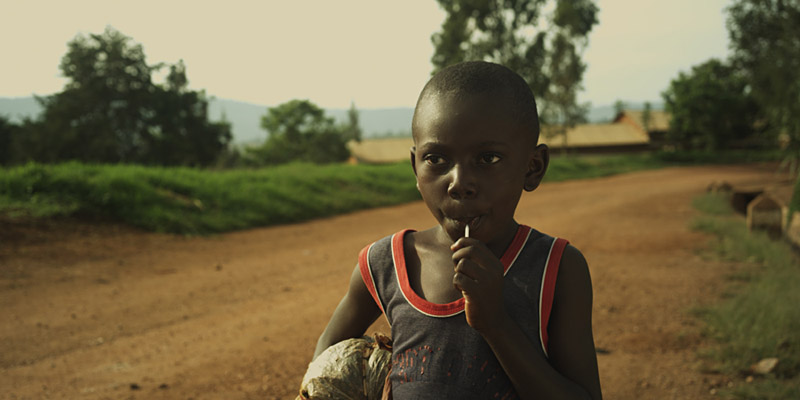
(462, 185)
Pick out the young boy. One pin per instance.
(480, 306)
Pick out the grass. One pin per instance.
(595, 166)
(794, 203)
(760, 315)
(193, 201)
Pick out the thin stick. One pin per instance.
(466, 231)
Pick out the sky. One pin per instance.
(373, 53)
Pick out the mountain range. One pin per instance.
(245, 118)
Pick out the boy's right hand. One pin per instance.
(479, 277)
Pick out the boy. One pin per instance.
(480, 306)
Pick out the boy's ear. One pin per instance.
(537, 166)
(413, 159)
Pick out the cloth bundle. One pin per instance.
(353, 369)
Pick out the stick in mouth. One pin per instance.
(466, 231)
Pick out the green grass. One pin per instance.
(760, 315)
(594, 166)
(193, 201)
(794, 203)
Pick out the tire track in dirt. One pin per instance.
(89, 310)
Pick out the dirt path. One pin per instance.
(100, 312)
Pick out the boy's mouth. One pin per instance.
(473, 222)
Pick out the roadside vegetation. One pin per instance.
(758, 316)
(192, 201)
(195, 201)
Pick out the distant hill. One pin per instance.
(17, 108)
(245, 118)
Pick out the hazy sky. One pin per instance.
(375, 53)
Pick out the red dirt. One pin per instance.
(101, 311)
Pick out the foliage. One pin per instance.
(583, 167)
(759, 317)
(111, 111)
(619, 106)
(647, 116)
(765, 40)
(352, 129)
(794, 204)
(191, 201)
(710, 106)
(510, 33)
(300, 131)
(7, 132)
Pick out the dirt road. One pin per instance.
(98, 311)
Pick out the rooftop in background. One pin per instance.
(659, 119)
(625, 134)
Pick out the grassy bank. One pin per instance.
(192, 201)
(593, 166)
(759, 316)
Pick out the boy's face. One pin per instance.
(472, 162)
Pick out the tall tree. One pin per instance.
(352, 128)
(300, 131)
(765, 40)
(647, 116)
(511, 33)
(8, 132)
(619, 106)
(710, 107)
(111, 111)
(181, 133)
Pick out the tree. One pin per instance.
(8, 131)
(647, 116)
(111, 111)
(181, 133)
(509, 33)
(300, 131)
(710, 106)
(352, 129)
(765, 40)
(619, 107)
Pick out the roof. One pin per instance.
(596, 135)
(659, 120)
(586, 135)
(383, 149)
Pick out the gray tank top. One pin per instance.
(436, 354)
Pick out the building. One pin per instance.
(626, 133)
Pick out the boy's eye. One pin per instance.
(489, 158)
(433, 159)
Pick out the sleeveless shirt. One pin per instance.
(436, 354)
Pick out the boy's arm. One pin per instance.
(570, 372)
(571, 347)
(354, 314)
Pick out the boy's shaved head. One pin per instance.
(484, 78)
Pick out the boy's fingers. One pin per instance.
(464, 283)
(480, 255)
(468, 268)
(464, 242)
